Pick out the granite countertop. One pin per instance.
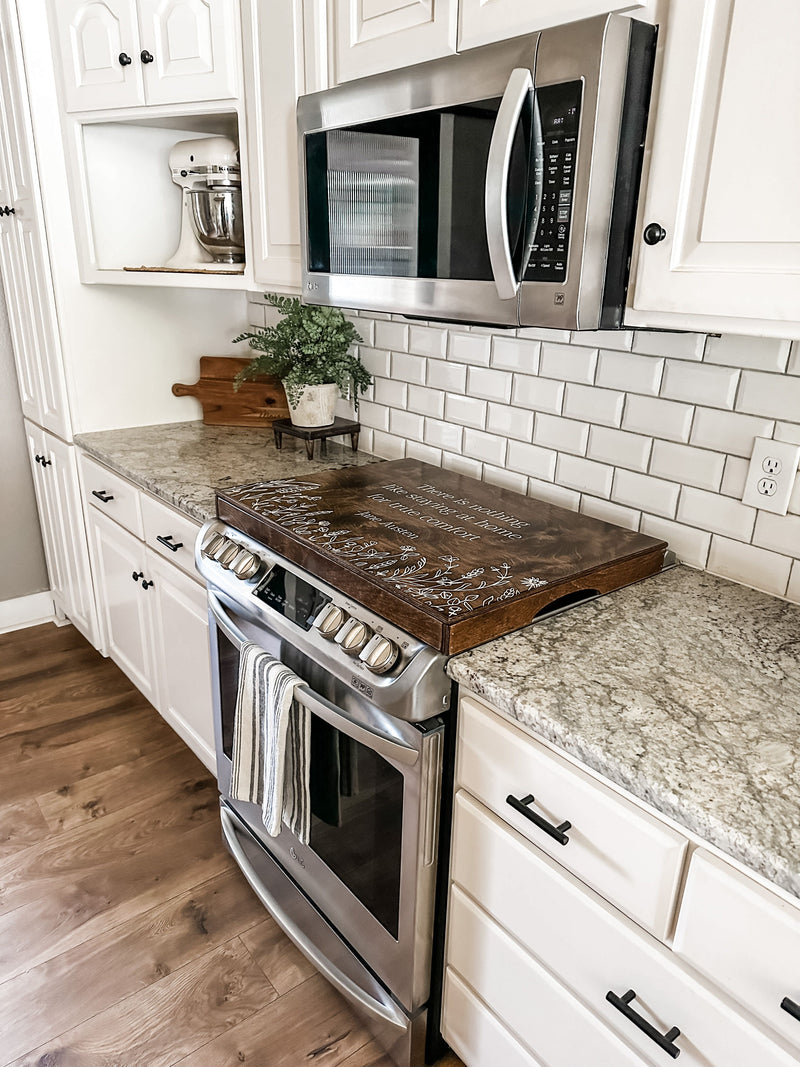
(684, 690)
(184, 463)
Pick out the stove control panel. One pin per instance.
(379, 655)
(230, 555)
(353, 636)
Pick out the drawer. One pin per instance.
(745, 938)
(525, 997)
(474, 1033)
(631, 858)
(112, 494)
(169, 533)
(593, 950)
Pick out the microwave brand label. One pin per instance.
(296, 858)
(362, 686)
(559, 299)
(312, 286)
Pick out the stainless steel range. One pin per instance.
(361, 581)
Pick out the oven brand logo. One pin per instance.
(362, 686)
(296, 858)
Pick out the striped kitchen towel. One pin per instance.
(271, 743)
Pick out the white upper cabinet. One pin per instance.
(722, 182)
(484, 21)
(24, 259)
(124, 53)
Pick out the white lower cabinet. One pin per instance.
(153, 610)
(536, 958)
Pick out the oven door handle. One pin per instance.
(385, 745)
(381, 1009)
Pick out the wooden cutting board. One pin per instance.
(255, 403)
(449, 559)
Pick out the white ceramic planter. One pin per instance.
(315, 406)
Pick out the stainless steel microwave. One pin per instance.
(496, 186)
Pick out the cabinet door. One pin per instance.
(184, 664)
(369, 36)
(95, 40)
(192, 47)
(24, 257)
(482, 21)
(725, 154)
(47, 504)
(126, 607)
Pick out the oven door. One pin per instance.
(370, 864)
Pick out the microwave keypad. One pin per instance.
(559, 107)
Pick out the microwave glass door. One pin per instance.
(404, 197)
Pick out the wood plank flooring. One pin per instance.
(128, 937)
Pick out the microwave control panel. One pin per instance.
(560, 111)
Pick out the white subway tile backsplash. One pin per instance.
(409, 368)
(515, 354)
(734, 476)
(565, 435)
(506, 479)
(584, 475)
(532, 460)
(554, 494)
(554, 336)
(389, 392)
(719, 514)
(513, 422)
(750, 565)
(364, 327)
(642, 491)
(608, 512)
(781, 533)
(775, 396)
(787, 431)
(467, 410)
(487, 447)
(594, 405)
(691, 466)
(462, 464)
(443, 435)
(755, 353)
(387, 446)
(793, 592)
(406, 424)
(376, 360)
(794, 358)
(620, 448)
(391, 335)
(697, 383)
(616, 339)
(728, 432)
(689, 545)
(424, 453)
(451, 377)
(427, 341)
(538, 394)
(658, 418)
(375, 416)
(489, 384)
(672, 345)
(568, 362)
(632, 373)
(426, 401)
(475, 348)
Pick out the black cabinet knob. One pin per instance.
(38, 458)
(146, 57)
(6, 210)
(137, 575)
(146, 584)
(46, 462)
(654, 233)
(124, 59)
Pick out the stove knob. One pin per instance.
(227, 554)
(329, 621)
(219, 548)
(353, 636)
(211, 544)
(246, 565)
(380, 655)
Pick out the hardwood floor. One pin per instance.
(128, 937)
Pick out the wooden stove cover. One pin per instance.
(451, 560)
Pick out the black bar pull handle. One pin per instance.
(664, 1041)
(792, 1007)
(101, 494)
(556, 832)
(173, 546)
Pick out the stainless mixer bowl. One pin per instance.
(216, 215)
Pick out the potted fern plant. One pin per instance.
(309, 349)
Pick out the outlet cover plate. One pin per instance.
(770, 477)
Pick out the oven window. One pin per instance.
(357, 819)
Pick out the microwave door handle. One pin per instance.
(379, 741)
(520, 85)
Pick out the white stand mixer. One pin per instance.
(207, 169)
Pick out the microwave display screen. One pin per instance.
(560, 111)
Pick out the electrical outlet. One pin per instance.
(770, 478)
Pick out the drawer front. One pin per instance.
(474, 1033)
(524, 996)
(744, 938)
(594, 950)
(628, 856)
(110, 493)
(170, 534)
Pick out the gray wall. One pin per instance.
(22, 565)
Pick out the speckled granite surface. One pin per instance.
(684, 690)
(184, 463)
